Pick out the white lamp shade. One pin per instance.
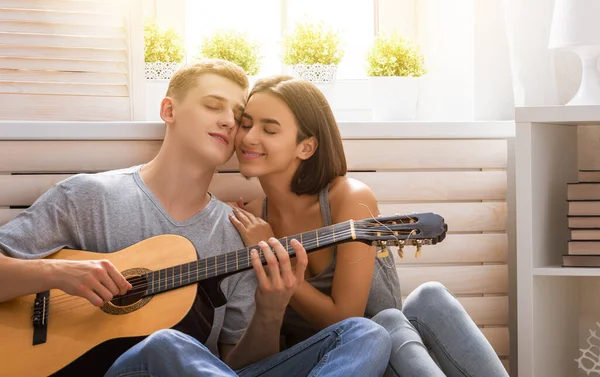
(575, 23)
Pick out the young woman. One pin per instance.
(289, 140)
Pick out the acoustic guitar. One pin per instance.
(55, 333)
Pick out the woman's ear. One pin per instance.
(166, 110)
(308, 147)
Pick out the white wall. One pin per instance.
(528, 24)
(167, 13)
(466, 53)
(545, 77)
(446, 33)
(493, 91)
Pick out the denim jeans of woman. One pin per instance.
(434, 336)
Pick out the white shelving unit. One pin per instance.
(556, 305)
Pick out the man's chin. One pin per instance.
(222, 159)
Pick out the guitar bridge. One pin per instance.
(40, 317)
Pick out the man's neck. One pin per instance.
(179, 183)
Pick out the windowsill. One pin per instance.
(56, 130)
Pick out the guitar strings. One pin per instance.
(199, 272)
(64, 304)
(204, 271)
(139, 289)
(231, 263)
(344, 233)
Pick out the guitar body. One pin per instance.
(75, 326)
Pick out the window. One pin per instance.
(353, 20)
(268, 20)
(260, 19)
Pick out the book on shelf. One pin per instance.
(581, 261)
(583, 222)
(584, 247)
(584, 208)
(583, 191)
(583, 217)
(582, 254)
(588, 176)
(585, 234)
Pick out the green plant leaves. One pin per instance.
(162, 45)
(312, 43)
(234, 46)
(394, 55)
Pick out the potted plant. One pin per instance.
(313, 51)
(163, 51)
(394, 66)
(234, 46)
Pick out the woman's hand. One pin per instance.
(238, 204)
(252, 229)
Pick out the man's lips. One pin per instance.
(222, 138)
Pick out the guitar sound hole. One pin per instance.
(134, 295)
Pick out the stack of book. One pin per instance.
(584, 220)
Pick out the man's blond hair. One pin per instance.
(187, 76)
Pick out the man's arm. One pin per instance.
(97, 281)
(47, 226)
(273, 294)
(22, 277)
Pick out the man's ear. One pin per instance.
(166, 110)
(308, 147)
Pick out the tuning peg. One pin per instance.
(383, 252)
(401, 251)
(419, 245)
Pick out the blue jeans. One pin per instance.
(353, 347)
(433, 323)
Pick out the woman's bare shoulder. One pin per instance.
(349, 194)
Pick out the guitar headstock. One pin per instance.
(400, 230)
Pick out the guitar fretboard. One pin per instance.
(224, 264)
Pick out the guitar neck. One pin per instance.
(235, 261)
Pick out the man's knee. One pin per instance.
(167, 340)
(369, 332)
(157, 341)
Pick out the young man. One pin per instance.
(109, 211)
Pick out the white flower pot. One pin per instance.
(315, 73)
(161, 70)
(394, 98)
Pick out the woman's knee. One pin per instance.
(398, 326)
(390, 319)
(431, 298)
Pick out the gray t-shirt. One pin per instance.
(109, 211)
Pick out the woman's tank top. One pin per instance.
(384, 293)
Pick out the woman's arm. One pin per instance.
(355, 261)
